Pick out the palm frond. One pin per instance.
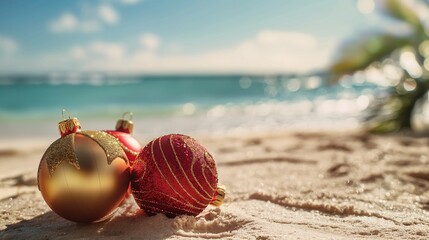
(393, 112)
(397, 9)
(360, 53)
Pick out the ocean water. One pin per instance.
(189, 103)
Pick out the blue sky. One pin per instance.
(169, 36)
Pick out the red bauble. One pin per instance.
(174, 175)
(130, 145)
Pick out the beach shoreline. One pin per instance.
(294, 184)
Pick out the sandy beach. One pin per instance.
(282, 94)
(288, 185)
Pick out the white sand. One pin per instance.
(280, 186)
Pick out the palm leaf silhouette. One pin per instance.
(391, 112)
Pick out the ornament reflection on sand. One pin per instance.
(84, 175)
(175, 175)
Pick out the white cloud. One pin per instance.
(108, 51)
(67, 22)
(78, 53)
(98, 52)
(89, 26)
(130, 2)
(108, 14)
(365, 6)
(91, 20)
(150, 41)
(268, 51)
(37, 64)
(174, 48)
(97, 55)
(8, 45)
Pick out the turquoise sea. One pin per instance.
(214, 102)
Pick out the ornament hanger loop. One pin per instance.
(129, 114)
(66, 112)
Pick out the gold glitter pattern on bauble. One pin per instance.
(61, 150)
(108, 143)
(127, 149)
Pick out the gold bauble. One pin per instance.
(84, 175)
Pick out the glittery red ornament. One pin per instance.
(123, 130)
(175, 175)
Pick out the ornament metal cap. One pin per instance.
(68, 126)
(219, 196)
(125, 125)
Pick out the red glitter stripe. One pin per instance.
(186, 175)
(174, 175)
(159, 170)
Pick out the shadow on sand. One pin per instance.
(50, 226)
